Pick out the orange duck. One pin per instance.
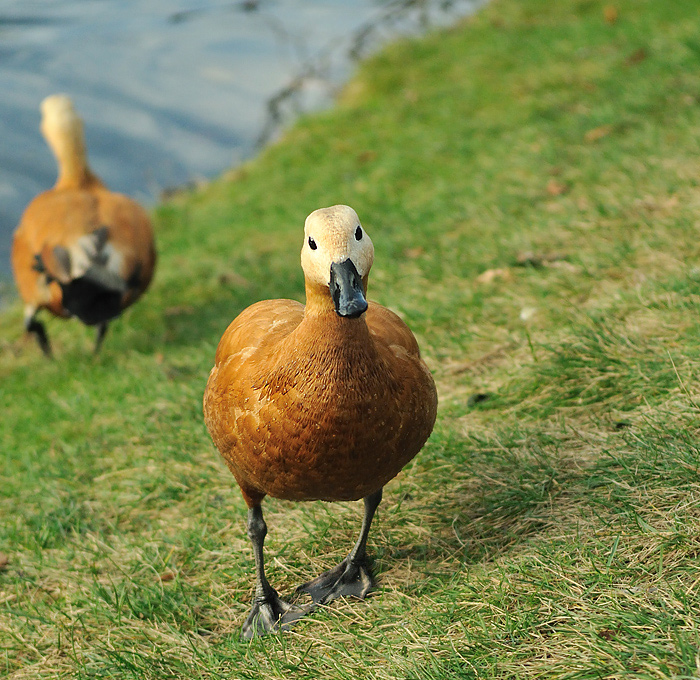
(80, 249)
(326, 401)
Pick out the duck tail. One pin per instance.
(88, 276)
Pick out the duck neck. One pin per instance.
(324, 328)
(318, 302)
(68, 145)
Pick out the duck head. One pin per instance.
(336, 258)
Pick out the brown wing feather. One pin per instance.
(260, 325)
(229, 394)
(388, 329)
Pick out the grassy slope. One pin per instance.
(550, 530)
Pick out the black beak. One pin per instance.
(346, 290)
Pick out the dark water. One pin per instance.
(172, 91)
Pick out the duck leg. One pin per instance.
(101, 332)
(269, 611)
(352, 577)
(37, 328)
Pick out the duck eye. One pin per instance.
(358, 233)
(312, 244)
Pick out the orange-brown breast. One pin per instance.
(318, 408)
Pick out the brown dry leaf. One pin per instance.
(233, 279)
(598, 133)
(167, 576)
(566, 266)
(177, 310)
(556, 188)
(493, 274)
(235, 174)
(532, 259)
(4, 561)
(653, 204)
(638, 55)
(366, 156)
(610, 14)
(413, 253)
(480, 364)
(342, 145)
(361, 187)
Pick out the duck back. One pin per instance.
(95, 250)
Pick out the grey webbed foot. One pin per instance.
(349, 579)
(271, 614)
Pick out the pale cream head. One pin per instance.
(335, 233)
(62, 127)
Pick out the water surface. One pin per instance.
(172, 91)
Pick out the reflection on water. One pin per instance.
(173, 90)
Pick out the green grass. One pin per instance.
(550, 527)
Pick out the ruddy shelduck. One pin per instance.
(80, 249)
(326, 401)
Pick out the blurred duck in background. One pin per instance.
(80, 249)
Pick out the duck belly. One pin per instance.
(289, 449)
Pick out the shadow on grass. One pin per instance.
(491, 497)
(496, 495)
